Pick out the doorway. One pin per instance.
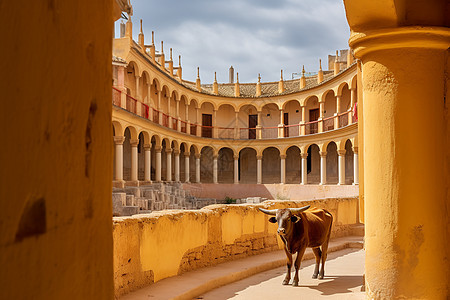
(207, 125)
(313, 116)
(252, 123)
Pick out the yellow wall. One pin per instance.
(148, 248)
(55, 188)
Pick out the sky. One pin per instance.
(253, 36)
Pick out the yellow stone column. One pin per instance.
(283, 168)
(158, 164)
(118, 141)
(147, 162)
(236, 169)
(215, 169)
(323, 167)
(304, 168)
(177, 165)
(169, 165)
(405, 188)
(134, 160)
(259, 169)
(341, 166)
(197, 168)
(186, 166)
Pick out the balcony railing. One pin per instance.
(143, 110)
(328, 123)
(225, 133)
(116, 95)
(131, 104)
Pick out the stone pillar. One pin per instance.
(355, 166)
(215, 130)
(159, 108)
(178, 114)
(197, 168)
(134, 160)
(177, 165)
(405, 152)
(169, 165)
(118, 141)
(338, 111)
(341, 166)
(236, 125)
(158, 164)
(259, 126)
(137, 94)
(259, 169)
(236, 169)
(281, 125)
(323, 168)
(199, 122)
(147, 163)
(215, 169)
(353, 92)
(304, 168)
(283, 168)
(303, 121)
(321, 116)
(186, 166)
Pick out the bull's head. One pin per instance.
(284, 217)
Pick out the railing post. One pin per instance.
(258, 132)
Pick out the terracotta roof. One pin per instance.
(248, 90)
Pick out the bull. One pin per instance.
(299, 229)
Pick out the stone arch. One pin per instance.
(193, 152)
(312, 114)
(225, 165)
(206, 164)
(293, 165)
(247, 165)
(353, 83)
(118, 128)
(313, 164)
(244, 121)
(332, 163)
(271, 165)
(225, 121)
(349, 156)
(292, 116)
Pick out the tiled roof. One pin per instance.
(118, 59)
(248, 90)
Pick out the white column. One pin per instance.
(304, 168)
(169, 165)
(158, 165)
(178, 114)
(215, 169)
(198, 122)
(197, 168)
(259, 169)
(236, 169)
(177, 165)
(341, 167)
(118, 141)
(186, 166)
(352, 103)
(323, 168)
(147, 163)
(134, 159)
(283, 168)
(355, 166)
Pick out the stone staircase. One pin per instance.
(132, 200)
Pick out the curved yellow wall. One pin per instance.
(148, 248)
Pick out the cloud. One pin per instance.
(255, 36)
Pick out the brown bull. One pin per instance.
(299, 229)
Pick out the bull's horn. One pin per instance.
(271, 212)
(299, 210)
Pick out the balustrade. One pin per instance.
(228, 132)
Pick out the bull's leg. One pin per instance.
(298, 260)
(289, 265)
(324, 258)
(317, 254)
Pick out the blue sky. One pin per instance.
(254, 36)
